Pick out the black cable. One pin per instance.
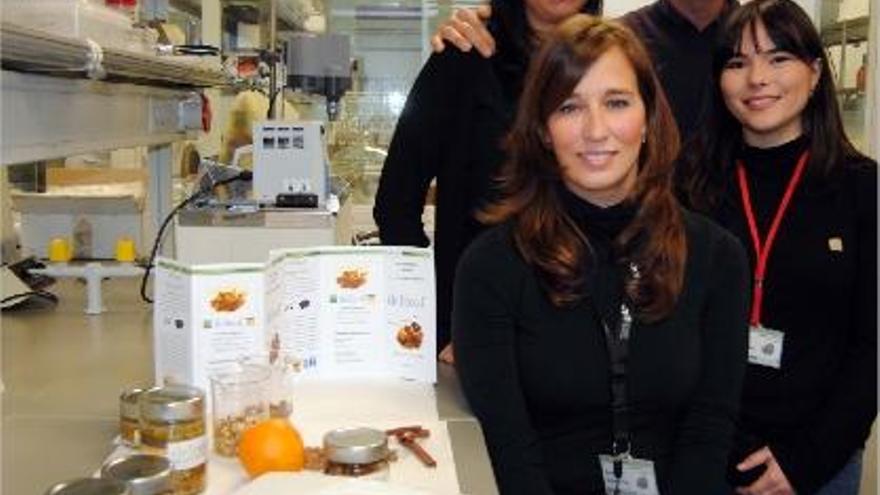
(272, 95)
(245, 175)
(34, 293)
(273, 57)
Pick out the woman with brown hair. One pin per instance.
(449, 131)
(600, 329)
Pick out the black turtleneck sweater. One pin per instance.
(536, 376)
(451, 129)
(821, 290)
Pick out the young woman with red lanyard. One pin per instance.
(777, 170)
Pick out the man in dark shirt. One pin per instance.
(679, 36)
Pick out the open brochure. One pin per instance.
(343, 311)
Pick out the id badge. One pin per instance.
(637, 478)
(765, 346)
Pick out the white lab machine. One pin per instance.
(290, 158)
(292, 203)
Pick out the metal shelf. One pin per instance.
(849, 31)
(37, 51)
(145, 100)
(49, 117)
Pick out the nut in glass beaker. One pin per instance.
(239, 401)
(283, 369)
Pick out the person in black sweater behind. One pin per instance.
(600, 329)
(455, 116)
(809, 403)
(678, 35)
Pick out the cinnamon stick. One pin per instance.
(409, 441)
(416, 431)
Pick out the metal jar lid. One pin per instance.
(128, 402)
(172, 403)
(356, 445)
(90, 486)
(145, 474)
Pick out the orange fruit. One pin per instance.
(271, 445)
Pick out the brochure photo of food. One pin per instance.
(228, 300)
(351, 278)
(410, 336)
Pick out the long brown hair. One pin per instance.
(530, 180)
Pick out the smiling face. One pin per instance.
(767, 89)
(596, 133)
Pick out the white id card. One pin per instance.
(637, 477)
(765, 346)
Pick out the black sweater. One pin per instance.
(682, 57)
(817, 410)
(536, 376)
(457, 112)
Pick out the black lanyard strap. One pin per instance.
(617, 344)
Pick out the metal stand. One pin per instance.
(93, 273)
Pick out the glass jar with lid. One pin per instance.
(89, 486)
(144, 474)
(130, 416)
(357, 453)
(173, 426)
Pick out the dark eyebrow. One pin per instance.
(619, 92)
(760, 52)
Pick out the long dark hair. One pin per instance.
(707, 166)
(545, 235)
(512, 33)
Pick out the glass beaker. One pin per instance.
(240, 399)
(283, 369)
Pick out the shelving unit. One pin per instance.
(53, 106)
(849, 31)
(840, 39)
(843, 33)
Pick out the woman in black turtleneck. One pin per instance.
(592, 255)
(808, 405)
(450, 129)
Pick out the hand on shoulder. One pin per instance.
(466, 29)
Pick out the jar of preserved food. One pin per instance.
(89, 486)
(144, 474)
(173, 426)
(357, 452)
(130, 416)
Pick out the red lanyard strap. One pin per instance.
(762, 252)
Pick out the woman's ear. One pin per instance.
(545, 138)
(815, 74)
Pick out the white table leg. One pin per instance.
(93, 273)
(93, 276)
